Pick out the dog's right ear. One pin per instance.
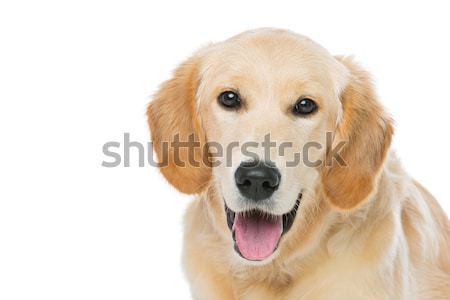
(173, 118)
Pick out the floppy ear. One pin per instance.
(172, 116)
(367, 131)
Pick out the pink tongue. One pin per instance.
(257, 237)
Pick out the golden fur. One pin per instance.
(364, 231)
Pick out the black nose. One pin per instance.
(257, 180)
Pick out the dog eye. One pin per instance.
(304, 106)
(229, 99)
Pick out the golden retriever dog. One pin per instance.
(347, 222)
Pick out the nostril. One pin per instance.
(245, 184)
(268, 185)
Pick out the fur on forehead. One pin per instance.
(266, 48)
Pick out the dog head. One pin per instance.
(260, 115)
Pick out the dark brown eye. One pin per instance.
(229, 99)
(305, 106)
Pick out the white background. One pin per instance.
(76, 74)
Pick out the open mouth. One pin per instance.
(257, 234)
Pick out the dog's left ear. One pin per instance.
(173, 119)
(366, 130)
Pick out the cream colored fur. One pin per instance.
(365, 231)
